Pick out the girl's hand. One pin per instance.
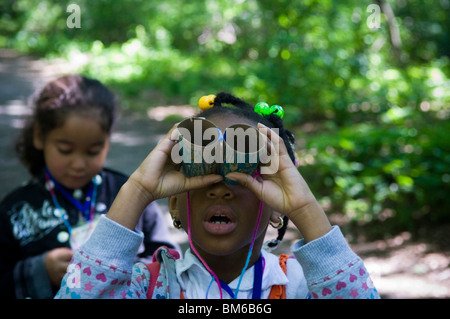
(157, 177)
(160, 177)
(285, 190)
(56, 262)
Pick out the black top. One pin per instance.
(30, 226)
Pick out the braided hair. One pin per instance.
(244, 109)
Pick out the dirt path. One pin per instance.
(403, 267)
(408, 267)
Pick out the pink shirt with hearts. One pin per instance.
(104, 268)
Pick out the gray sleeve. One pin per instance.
(156, 233)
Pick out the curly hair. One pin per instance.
(71, 94)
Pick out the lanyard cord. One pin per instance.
(88, 209)
(250, 250)
(257, 281)
(195, 251)
(61, 212)
(218, 281)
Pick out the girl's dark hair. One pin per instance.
(244, 109)
(71, 94)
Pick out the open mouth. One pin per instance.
(219, 221)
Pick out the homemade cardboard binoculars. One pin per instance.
(204, 149)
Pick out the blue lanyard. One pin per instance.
(257, 281)
(60, 212)
(87, 209)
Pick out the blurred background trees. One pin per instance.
(369, 105)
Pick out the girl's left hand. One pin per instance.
(285, 190)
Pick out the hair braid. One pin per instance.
(228, 98)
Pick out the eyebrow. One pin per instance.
(97, 143)
(64, 142)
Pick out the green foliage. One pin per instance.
(397, 171)
(370, 114)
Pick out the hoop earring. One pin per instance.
(177, 224)
(280, 224)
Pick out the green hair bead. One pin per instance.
(278, 110)
(263, 108)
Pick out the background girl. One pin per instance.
(64, 146)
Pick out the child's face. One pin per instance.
(235, 206)
(75, 152)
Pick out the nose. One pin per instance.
(78, 163)
(220, 190)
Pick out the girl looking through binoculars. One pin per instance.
(226, 218)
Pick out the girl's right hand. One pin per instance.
(157, 177)
(160, 177)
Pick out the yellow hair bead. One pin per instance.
(206, 102)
